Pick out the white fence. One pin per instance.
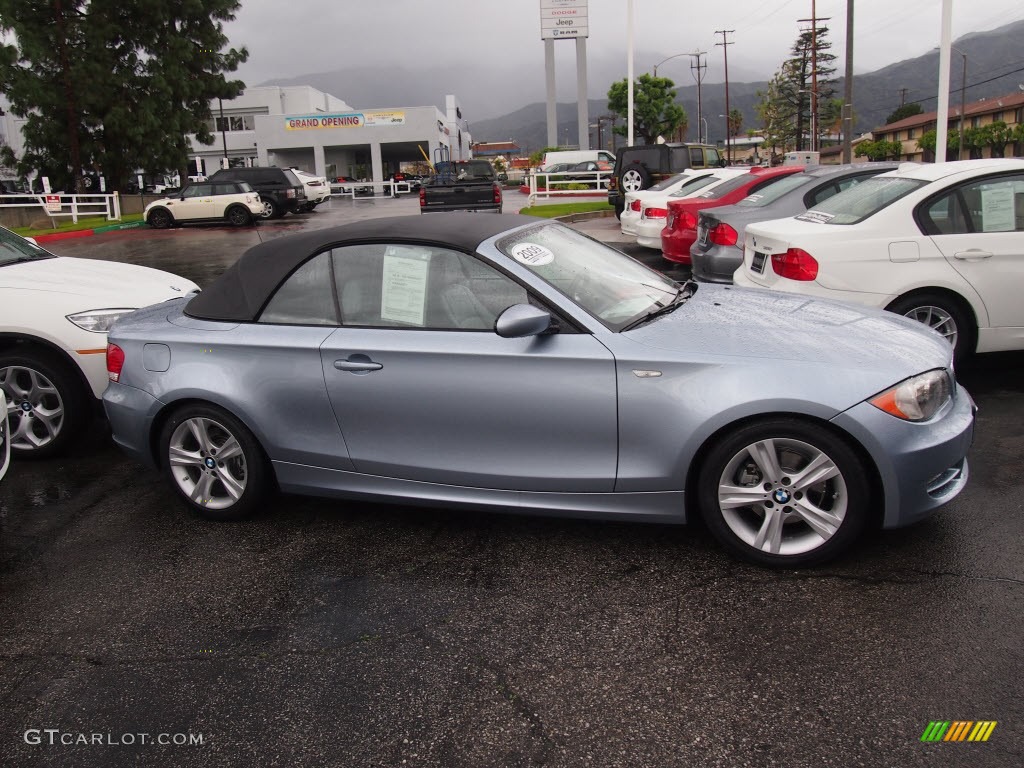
(68, 205)
(367, 190)
(557, 184)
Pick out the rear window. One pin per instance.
(695, 184)
(773, 192)
(292, 178)
(728, 186)
(853, 205)
(668, 182)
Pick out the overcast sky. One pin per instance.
(295, 37)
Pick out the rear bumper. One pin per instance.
(648, 233)
(922, 466)
(676, 247)
(131, 413)
(715, 264)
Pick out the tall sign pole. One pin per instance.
(566, 20)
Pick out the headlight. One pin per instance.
(98, 320)
(917, 398)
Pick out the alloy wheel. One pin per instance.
(207, 463)
(631, 181)
(783, 496)
(34, 407)
(938, 319)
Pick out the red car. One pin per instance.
(680, 230)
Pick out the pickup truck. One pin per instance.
(464, 185)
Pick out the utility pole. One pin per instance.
(848, 88)
(697, 69)
(725, 49)
(814, 72)
(903, 96)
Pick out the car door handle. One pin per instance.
(973, 254)
(357, 366)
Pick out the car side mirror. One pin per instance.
(521, 320)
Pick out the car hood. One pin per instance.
(103, 283)
(862, 342)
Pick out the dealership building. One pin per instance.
(301, 127)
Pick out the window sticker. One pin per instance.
(818, 217)
(997, 208)
(404, 287)
(532, 255)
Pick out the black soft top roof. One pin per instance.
(240, 293)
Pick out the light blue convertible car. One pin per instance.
(498, 362)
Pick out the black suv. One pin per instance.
(643, 165)
(279, 188)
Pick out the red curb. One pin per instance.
(63, 235)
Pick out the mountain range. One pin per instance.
(995, 66)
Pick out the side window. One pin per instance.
(696, 157)
(306, 296)
(225, 189)
(995, 205)
(945, 216)
(412, 286)
(198, 190)
(714, 159)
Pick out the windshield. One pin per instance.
(695, 185)
(858, 202)
(773, 192)
(14, 249)
(669, 182)
(609, 285)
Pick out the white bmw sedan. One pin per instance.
(940, 243)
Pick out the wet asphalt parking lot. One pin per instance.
(352, 634)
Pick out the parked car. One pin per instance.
(401, 177)
(461, 185)
(558, 375)
(279, 188)
(692, 178)
(317, 190)
(643, 165)
(5, 444)
(235, 202)
(680, 230)
(647, 222)
(718, 249)
(939, 243)
(54, 317)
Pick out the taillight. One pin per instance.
(423, 197)
(723, 234)
(613, 183)
(688, 220)
(115, 362)
(497, 194)
(671, 221)
(795, 264)
(655, 213)
(290, 193)
(634, 206)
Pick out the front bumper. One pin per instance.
(922, 466)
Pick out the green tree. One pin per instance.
(735, 122)
(655, 112)
(112, 86)
(776, 119)
(901, 113)
(796, 80)
(879, 150)
(927, 142)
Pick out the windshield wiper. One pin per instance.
(23, 259)
(685, 292)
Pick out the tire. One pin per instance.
(271, 210)
(619, 208)
(189, 442)
(160, 218)
(46, 403)
(239, 216)
(759, 508)
(941, 314)
(634, 178)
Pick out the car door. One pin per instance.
(424, 389)
(979, 228)
(196, 202)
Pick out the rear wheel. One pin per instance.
(46, 403)
(239, 216)
(271, 210)
(159, 218)
(784, 493)
(634, 178)
(214, 462)
(943, 315)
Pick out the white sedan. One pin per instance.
(634, 200)
(654, 208)
(939, 243)
(317, 189)
(54, 317)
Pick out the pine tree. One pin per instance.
(795, 81)
(113, 86)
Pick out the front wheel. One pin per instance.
(160, 219)
(942, 315)
(214, 462)
(46, 404)
(784, 493)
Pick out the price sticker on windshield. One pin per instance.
(532, 255)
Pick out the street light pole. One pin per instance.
(963, 102)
